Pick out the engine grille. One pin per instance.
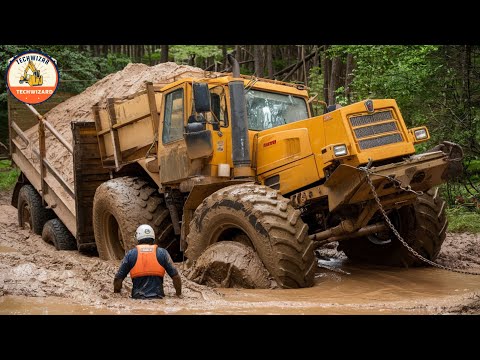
(375, 129)
(373, 118)
(370, 134)
(380, 141)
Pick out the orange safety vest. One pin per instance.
(147, 263)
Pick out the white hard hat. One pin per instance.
(144, 232)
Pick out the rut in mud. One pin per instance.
(34, 277)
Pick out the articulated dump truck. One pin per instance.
(241, 160)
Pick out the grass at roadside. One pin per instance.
(8, 175)
(463, 220)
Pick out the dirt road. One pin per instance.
(37, 279)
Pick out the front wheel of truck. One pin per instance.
(422, 225)
(259, 217)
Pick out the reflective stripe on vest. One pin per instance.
(147, 263)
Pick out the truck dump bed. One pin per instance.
(72, 205)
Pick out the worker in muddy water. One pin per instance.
(147, 264)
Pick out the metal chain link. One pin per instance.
(397, 234)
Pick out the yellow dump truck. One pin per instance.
(242, 159)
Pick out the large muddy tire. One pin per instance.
(56, 233)
(31, 213)
(422, 225)
(230, 264)
(257, 216)
(119, 207)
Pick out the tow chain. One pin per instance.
(397, 234)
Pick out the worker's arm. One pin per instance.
(165, 260)
(122, 273)
(177, 283)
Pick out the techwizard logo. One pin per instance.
(32, 77)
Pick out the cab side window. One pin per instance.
(173, 122)
(218, 101)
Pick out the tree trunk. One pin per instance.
(238, 53)
(305, 78)
(224, 55)
(315, 57)
(334, 80)
(258, 57)
(149, 54)
(164, 53)
(270, 61)
(326, 75)
(348, 77)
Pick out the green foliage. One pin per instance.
(421, 148)
(8, 175)
(245, 70)
(315, 82)
(462, 220)
(399, 72)
(474, 166)
(182, 54)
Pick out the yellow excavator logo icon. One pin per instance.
(34, 79)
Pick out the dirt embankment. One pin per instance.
(31, 270)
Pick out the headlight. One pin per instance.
(421, 134)
(340, 150)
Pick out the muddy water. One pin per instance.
(37, 279)
(22, 305)
(366, 290)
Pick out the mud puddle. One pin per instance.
(37, 279)
(22, 305)
(369, 290)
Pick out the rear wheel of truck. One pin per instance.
(31, 213)
(259, 217)
(422, 225)
(56, 233)
(119, 207)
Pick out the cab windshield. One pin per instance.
(266, 110)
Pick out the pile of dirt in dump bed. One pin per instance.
(79, 108)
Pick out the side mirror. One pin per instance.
(201, 96)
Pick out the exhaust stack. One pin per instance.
(240, 141)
